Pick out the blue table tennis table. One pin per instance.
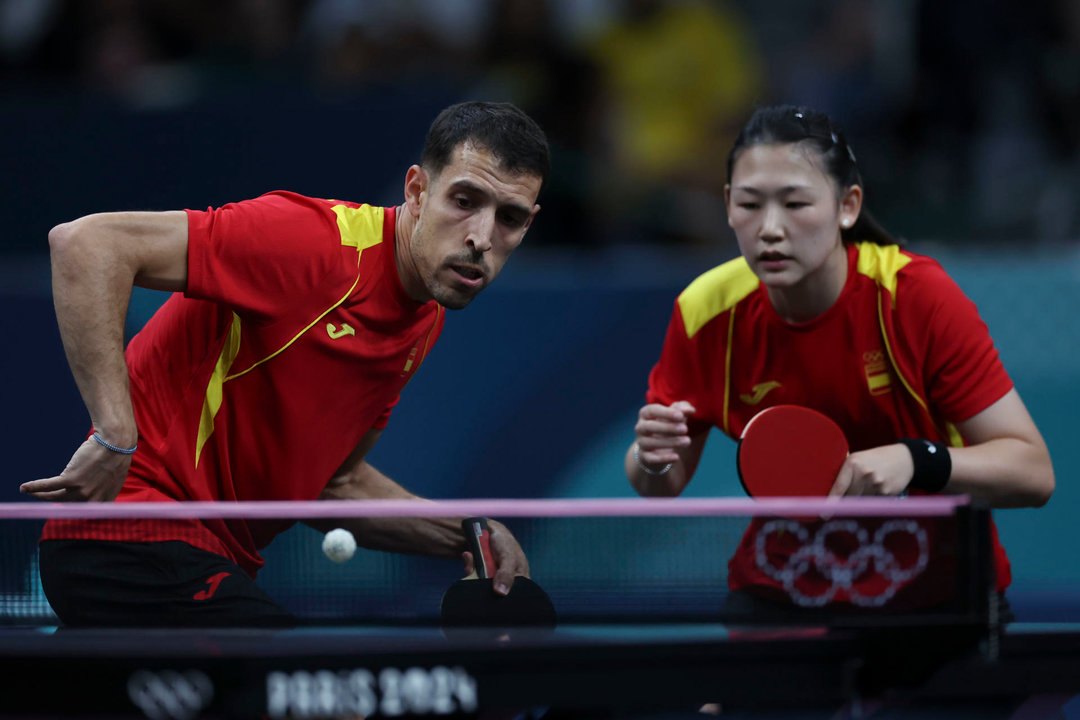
(594, 670)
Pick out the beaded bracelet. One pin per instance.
(661, 471)
(109, 446)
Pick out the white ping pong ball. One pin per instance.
(339, 545)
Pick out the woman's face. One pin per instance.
(787, 215)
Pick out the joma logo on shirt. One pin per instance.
(335, 333)
(760, 391)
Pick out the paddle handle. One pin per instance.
(478, 538)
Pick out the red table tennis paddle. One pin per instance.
(472, 602)
(790, 451)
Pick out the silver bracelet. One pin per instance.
(109, 446)
(661, 471)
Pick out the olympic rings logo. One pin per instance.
(170, 695)
(842, 571)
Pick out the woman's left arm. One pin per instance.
(1005, 461)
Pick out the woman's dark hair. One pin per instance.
(511, 135)
(792, 124)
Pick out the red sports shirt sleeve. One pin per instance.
(264, 256)
(384, 418)
(962, 372)
(677, 376)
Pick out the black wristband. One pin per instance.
(933, 465)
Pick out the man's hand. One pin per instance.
(510, 559)
(94, 473)
(885, 470)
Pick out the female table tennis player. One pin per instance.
(823, 309)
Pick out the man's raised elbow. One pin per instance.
(61, 237)
(73, 244)
(69, 236)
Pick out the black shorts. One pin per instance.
(103, 583)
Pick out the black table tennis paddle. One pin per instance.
(473, 602)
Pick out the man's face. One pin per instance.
(470, 217)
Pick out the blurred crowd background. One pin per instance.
(965, 114)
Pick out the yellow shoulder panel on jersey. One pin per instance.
(360, 227)
(881, 263)
(714, 292)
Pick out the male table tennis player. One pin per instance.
(271, 371)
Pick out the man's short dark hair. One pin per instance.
(503, 129)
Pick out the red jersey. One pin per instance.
(901, 353)
(293, 339)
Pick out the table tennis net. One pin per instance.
(859, 560)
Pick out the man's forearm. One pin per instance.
(440, 537)
(91, 290)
